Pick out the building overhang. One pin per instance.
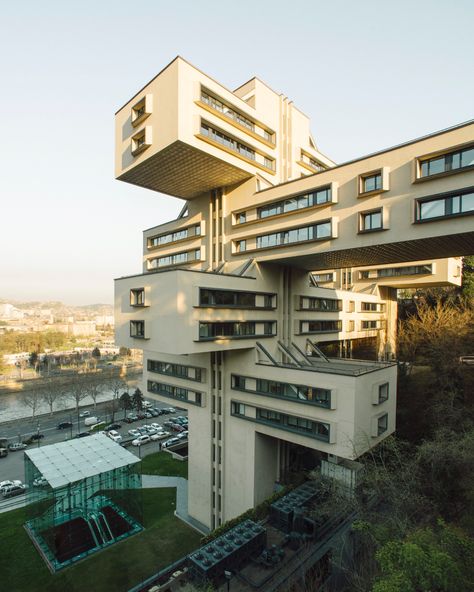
(452, 245)
(183, 171)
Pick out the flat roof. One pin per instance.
(71, 461)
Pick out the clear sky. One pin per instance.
(369, 74)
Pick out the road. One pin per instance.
(12, 467)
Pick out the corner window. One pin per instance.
(370, 221)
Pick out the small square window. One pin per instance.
(137, 297)
(382, 424)
(371, 221)
(137, 329)
(241, 217)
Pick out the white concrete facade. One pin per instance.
(278, 252)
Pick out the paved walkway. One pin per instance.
(181, 485)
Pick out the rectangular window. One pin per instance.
(176, 259)
(241, 218)
(396, 271)
(383, 392)
(320, 326)
(315, 429)
(323, 277)
(382, 424)
(320, 304)
(295, 235)
(458, 204)
(170, 237)
(235, 330)
(451, 161)
(234, 299)
(299, 202)
(371, 183)
(371, 221)
(372, 325)
(137, 297)
(178, 370)
(174, 392)
(372, 307)
(137, 329)
(238, 409)
(296, 392)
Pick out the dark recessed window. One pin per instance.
(295, 235)
(137, 297)
(299, 202)
(320, 304)
(320, 326)
(137, 329)
(383, 392)
(382, 424)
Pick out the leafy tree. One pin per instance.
(33, 360)
(96, 353)
(429, 559)
(137, 399)
(126, 403)
(467, 288)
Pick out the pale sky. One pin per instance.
(369, 74)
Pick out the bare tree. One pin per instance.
(94, 386)
(78, 392)
(52, 392)
(31, 399)
(116, 385)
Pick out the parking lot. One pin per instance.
(12, 466)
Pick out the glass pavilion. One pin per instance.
(83, 495)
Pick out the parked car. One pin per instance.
(8, 483)
(82, 434)
(146, 404)
(158, 410)
(170, 442)
(141, 440)
(134, 433)
(168, 423)
(160, 436)
(14, 490)
(36, 436)
(114, 435)
(153, 412)
(39, 482)
(156, 426)
(63, 425)
(182, 436)
(133, 417)
(177, 428)
(92, 420)
(127, 420)
(141, 415)
(16, 446)
(84, 414)
(3, 452)
(171, 410)
(148, 415)
(113, 426)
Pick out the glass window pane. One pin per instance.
(467, 157)
(432, 209)
(467, 202)
(436, 165)
(323, 230)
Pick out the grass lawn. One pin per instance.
(118, 568)
(162, 463)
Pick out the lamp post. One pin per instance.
(228, 576)
(38, 433)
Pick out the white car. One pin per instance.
(160, 436)
(39, 482)
(156, 426)
(114, 435)
(141, 440)
(134, 433)
(84, 414)
(8, 483)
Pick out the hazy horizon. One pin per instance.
(368, 78)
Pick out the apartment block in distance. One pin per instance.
(268, 308)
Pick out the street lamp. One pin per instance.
(228, 576)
